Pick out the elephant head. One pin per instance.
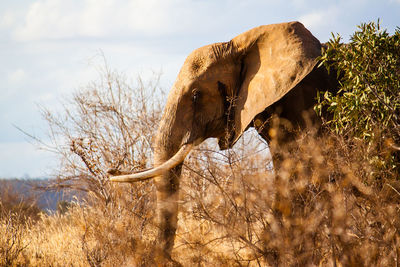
(218, 92)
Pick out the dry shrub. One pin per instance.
(109, 123)
(323, 204)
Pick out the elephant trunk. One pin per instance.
(167, 191)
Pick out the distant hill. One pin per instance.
(32, 190)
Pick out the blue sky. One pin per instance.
(50, 48)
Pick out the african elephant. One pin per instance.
(220, 90)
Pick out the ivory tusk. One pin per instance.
(178, 158)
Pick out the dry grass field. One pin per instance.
(322, 206)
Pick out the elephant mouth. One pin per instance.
(223, 144)
(227, 141)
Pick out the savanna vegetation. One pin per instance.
(334, 199)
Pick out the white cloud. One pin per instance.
(58, 19)
(312, 19)
(7, 20)
(49, 19)
(318, 21)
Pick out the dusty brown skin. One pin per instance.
(221, 89)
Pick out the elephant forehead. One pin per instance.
(202, 59)
(197, 62)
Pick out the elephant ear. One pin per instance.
(275, 58)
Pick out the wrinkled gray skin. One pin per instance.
(221, 90)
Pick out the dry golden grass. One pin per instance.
(323, 205)
(89, 234)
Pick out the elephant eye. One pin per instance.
(196, 95)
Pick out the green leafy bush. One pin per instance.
(367, 104)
